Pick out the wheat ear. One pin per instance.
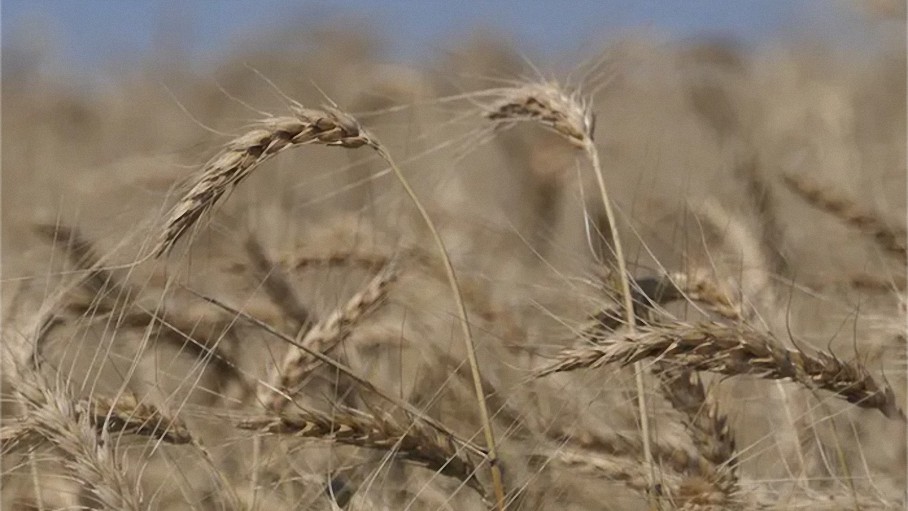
(53, 414)
(709, 431)
(323, 337)
(352, 427)
(122, 416)
(891, 240)
(362, 382)
(732, 351)
(242, 155)
(127, 415)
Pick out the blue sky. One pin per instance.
(85, 34)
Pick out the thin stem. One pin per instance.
(624, 279)
(492, 454)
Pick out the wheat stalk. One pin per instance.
(569, 116)
(732, 351)
(364, 383)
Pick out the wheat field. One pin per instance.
(668, 276)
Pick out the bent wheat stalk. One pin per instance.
(573, 119)
(331, 127)
(469, 344)
(732, 351)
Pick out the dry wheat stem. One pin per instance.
(352, 427)
(732, 351)
(624, 279)
(549, 105)
(242, 155)
(323, 337)
(469, 344)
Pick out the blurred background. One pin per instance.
(89, 39)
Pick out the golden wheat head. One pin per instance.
(550, 106)
(242, 155)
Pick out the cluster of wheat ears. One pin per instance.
(315, 395)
